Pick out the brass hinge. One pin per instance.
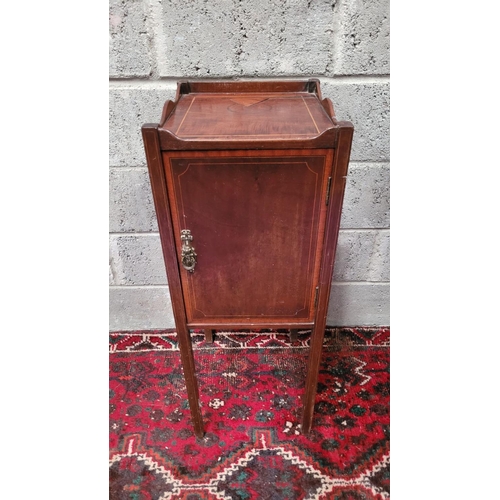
(316, 297)
(328, 187)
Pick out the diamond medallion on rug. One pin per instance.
(251, 386)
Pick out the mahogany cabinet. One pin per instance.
(248, 179)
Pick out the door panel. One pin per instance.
(255, 219)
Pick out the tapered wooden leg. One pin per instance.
(294, 335)
(209, 335)
(313, 362)
(159, 190)
(188, 367)
(339, 173)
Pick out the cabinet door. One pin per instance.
(257, 223)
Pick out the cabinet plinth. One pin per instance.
(248, 180)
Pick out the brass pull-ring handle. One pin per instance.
(188, 255)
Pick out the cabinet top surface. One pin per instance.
(242, 116)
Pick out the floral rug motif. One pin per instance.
(251, 385)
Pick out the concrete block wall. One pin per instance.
(153, 43)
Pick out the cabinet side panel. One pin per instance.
(156, 172)
(340, 164)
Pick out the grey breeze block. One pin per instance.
(138, 308)
(366, 200)
(366, 105)
(362, 255)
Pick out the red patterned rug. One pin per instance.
(250, 389)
